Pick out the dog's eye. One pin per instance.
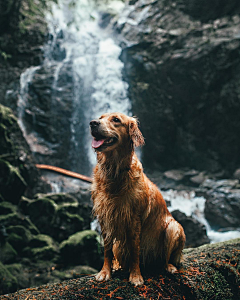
(116, 120)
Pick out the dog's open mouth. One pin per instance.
(99, 143)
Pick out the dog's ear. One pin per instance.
(135, 133)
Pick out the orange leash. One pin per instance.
(65, 172)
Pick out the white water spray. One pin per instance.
(193, 206)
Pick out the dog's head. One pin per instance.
(114, 129)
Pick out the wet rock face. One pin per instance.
(222, 211)
(183, 83)
(46, 118)
(222, 208)
(17, 167)
(209, 10)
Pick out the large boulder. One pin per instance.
(42, 212)
(196, 234)
(58, 215)
(222, 210)
(41, 247)
(17, 219)
(183, 78)
(18, 236)
(82, 248)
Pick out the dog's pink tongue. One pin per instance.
(97, 143)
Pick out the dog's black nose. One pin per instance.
(94, 123)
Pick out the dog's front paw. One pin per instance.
(171, 269)
(136, 279)
(103, 275)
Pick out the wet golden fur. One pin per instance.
(135, 222)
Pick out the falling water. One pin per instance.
(193, 206)
(96, 70)
(94, 75)
(25, 79)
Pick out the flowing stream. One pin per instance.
(193, 206)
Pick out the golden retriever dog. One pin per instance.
(136, 226)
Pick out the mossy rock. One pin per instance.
(17, 168)
(7, 121)
(8, 283)
(41, 212)
(21, 274)
(82, 248)
(12, 184)
(66, 224)
(14, 219)
(58, 198)
(41, 240)
(41, 254)
(18, 236)
(23, 204)
(71, 208)
(41, 247)
(7, 253)
(68, 204)
(7, 208)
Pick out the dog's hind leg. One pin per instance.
(173, 245)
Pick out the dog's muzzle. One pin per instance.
(100, 141)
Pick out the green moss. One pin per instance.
(45, 253)
(42, 213)
(80, 238)
(7, 253)
(19, 236)
(8, 283)
(7, 208)
(41, 240)
(58, 198)
(7, 116)
(41, 247)
(14, 219)
(12, 184)
(23, 204)
(82, 248)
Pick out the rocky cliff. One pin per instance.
(182, 66)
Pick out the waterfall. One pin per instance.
(25, 80)
(96, 71)
(84, 75)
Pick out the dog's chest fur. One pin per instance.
(116, 204)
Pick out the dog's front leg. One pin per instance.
(106, 272)
(135, 273)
